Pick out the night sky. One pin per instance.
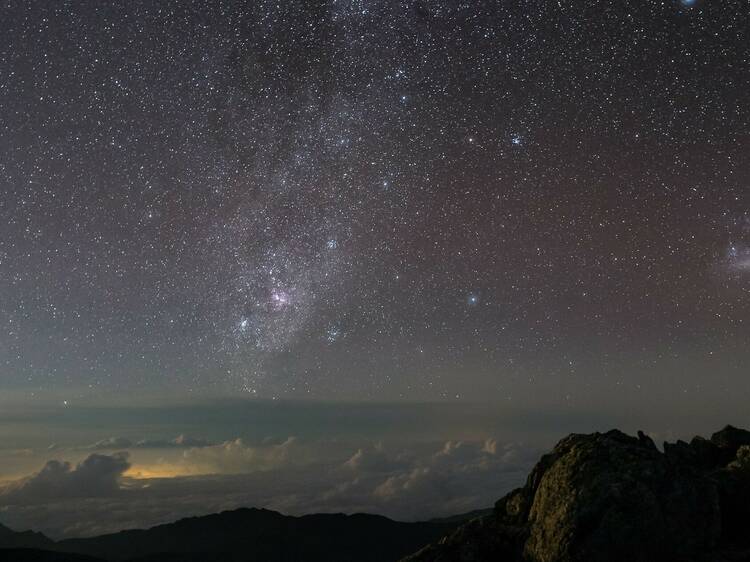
(516, 203)
(374, 199)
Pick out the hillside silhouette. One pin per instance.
(601, 497)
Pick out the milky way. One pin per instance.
(375, 199)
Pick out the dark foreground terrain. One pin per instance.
(595, 498)
(614, 498)
(242, 535)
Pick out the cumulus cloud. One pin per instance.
(181, 441)
(112, 443)
(457, 476)
(295, 476)
(418, 481)
(96, 476)
(374, 459)
(237, 457)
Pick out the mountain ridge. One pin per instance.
(598, 497)
(239, 535)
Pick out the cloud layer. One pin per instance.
(293, 476)
(96, 476)
(181, 441)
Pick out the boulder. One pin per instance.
(728, 441)
(616, 498)
(733, 484)
(611, 497)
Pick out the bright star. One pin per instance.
(332, 334)
(279, 298)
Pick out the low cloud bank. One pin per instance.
(292, 475)
(96, 476)
(181, 441)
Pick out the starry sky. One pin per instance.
(520, 202)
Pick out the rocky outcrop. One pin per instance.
(613, 497)
(484, 538)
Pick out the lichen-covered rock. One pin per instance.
(733, 484)
(616, 498)
(610, 497)
(513, 509)
(729, 440)
(742, 460)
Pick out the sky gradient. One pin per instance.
(375, 199)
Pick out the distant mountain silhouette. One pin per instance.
(243, 535)
(602, 497)
(25, 539)
(463, 517)
(610, 497)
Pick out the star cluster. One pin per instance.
(375, 199)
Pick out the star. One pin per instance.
(244, 189)
(279, 298)
(333, 334)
